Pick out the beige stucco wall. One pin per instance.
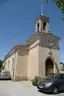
(22, 65)
(56, 56)
(18, 67)
(33, 60)
(43, 55)
(8, 64)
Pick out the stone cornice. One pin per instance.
(15, 48)
(48, 47)
(41, 33)
(38, 44)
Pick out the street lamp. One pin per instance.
(51, 45)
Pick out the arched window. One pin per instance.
(13, 63)
(44, 25)
(8, 63)
(38, 25)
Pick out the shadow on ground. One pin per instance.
(48, 93)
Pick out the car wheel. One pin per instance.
(55, 90)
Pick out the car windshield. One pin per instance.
(4, 72)
(51, 76)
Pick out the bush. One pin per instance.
(35, 80)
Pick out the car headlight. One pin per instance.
(48, 84)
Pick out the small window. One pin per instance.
(62, 76)
(38, 26)
(13, 63)
(44, 26)
(8, 61)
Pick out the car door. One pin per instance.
(61, 82)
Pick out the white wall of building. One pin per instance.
(43, 55)
(33, 62)
(22, 65)
(10, 65)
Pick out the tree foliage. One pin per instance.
(1, 65)
(59, 4)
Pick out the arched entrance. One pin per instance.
(49, 66)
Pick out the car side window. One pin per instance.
(61, 77)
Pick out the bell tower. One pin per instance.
(42, 24)
(43, 56)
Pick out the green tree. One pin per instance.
(1, 65)
(59, 4)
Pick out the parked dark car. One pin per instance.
(52, 83)
(5, 75)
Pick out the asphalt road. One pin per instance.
(9, 88)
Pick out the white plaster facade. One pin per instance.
(30, 60)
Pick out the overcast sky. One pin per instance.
(17, 23)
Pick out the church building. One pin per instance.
(38, 57)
